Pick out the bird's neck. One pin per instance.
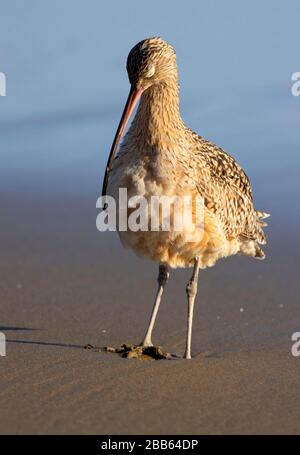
(158, 121)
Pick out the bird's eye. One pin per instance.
(150, 71)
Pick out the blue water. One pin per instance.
(66, 85)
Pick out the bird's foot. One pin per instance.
(146, 343)
(187, 356)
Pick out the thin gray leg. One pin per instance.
(191, 291)
(163, 276)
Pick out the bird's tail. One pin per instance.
(260, 217)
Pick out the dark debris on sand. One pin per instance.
(130, 351)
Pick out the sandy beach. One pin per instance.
(63, 285)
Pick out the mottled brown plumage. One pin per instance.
(161, 156)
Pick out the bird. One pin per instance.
(159, 155)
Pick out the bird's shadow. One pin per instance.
(46, 343)
(9, 327)
(37, 343)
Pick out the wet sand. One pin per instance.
(63, 284)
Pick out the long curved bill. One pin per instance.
(132, 99)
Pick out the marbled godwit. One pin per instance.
(161, 156)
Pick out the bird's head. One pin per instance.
(149, 62)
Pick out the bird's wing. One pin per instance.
(226, 190)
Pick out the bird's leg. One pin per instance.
(191, 291)
(163, 276)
